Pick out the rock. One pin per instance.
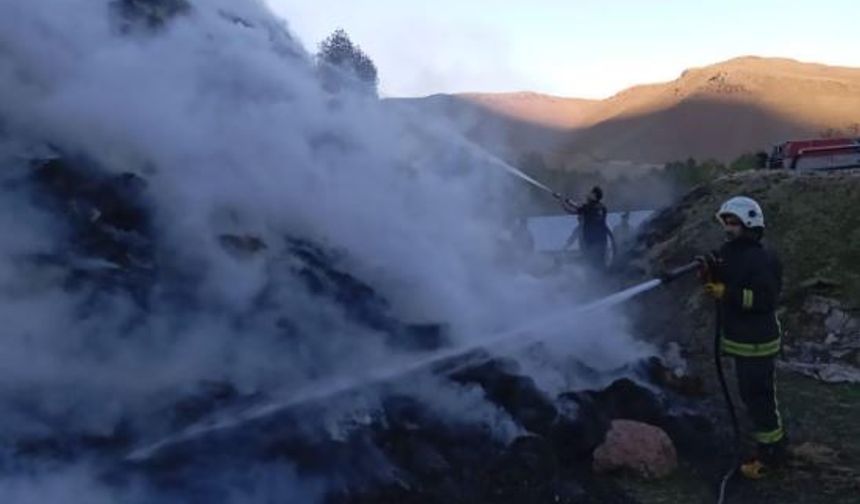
(836, 321)
(815, 454)
(831, 373)
(819, 283)
(839, 373)
(841, 353)
(644, 449)
(831, 339)
(819, 305)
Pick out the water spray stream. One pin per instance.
(485, 156)
(521, 175)
(516, 338)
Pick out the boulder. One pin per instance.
(638, 447)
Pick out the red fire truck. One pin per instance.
(818, 154)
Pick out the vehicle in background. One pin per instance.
(816, 154)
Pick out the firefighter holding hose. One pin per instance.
(592, 232)
(745, 279)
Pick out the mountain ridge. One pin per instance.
(699, 114)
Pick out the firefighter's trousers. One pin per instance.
(757, 386)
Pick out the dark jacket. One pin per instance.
(753, 279)
(592, 221)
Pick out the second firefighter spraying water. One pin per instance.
(592, 233)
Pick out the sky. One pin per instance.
(581, 48)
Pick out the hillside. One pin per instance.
(819, 251)
(539, 109)
(505, 124)
(718, 111)
(814, 225)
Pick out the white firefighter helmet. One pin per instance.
(746, 209)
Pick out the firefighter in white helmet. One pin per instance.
(746, 279)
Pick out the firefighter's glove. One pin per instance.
(708, 266)
(568, 204)
(715, 289)
(754, 470)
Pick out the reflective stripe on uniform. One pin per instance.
(776, 435)
(776, 409)
(747, 299)
(731, 347)
(770, 437)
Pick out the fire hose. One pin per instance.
(674, 274)
(729, 404)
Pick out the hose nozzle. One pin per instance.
(673, 274)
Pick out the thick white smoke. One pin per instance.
(228, 124)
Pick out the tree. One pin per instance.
(690, 173)
(342, 63)
(749, 161)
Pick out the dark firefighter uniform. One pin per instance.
(592, 232)
(751, 332)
